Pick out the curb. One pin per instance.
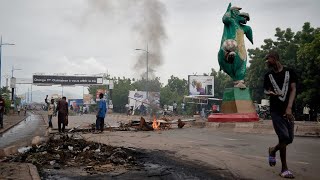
(259, 128)
(15, 170)
(33, 172)
(12, 125)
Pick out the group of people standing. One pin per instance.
(63, 112)
(61, 109)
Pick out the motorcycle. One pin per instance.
(264, 112)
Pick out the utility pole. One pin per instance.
(147, 53)
(1, 44)
(31, 93)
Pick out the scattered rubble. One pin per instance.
(68, 150)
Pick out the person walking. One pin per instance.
(101, 114)
(2, 110)
(19, 109)
(51, 108)
(25, 110)
(62, 109)
(183, 107)
(306, 113)
(142, 109)
(175, 105)
(127, 109)
(280, 85)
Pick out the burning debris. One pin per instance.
(164, 123)
(69, 151)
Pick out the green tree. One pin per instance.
(175, 90)
(221, 81)
(120, 93)
(153, 85)
(5, 92)
(309, 62)
(297, 51)
(178, 85)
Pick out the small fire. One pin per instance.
(155, 124)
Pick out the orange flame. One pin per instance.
(155, 124)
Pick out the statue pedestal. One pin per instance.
(236, 106)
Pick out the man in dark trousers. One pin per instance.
(280, 85)
(62, 109)
(2, 108)
(102, 110)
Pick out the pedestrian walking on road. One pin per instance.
(280, 85)
(62, 109)
(25, 110)
(19, 109)
(306, 113)
(175, 105)
(51, 108)
(127, 109)
(101, 113)
(2, 109)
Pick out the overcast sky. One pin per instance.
(99, 36)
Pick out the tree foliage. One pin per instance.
(299, 51)
(221, 81)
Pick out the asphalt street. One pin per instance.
(245, 155)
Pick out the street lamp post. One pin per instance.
(2, 44)
(146, 85)
(13, 93)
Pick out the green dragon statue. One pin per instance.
(232, 55)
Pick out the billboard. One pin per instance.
(201, 85)
(87, 99)
(137, 97)
(75, 102)
(66, 80)
(103, 91)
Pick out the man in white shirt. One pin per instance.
(306, 113)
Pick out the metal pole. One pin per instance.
(28, 96)
(147, 89)
(12, 93)
(6, 82)
(1, 56)
(31, 94)
(0, 59)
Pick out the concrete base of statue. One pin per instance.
(237, 106)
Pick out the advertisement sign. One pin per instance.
(137, 97)
(75, 102)
(201, 85)
(103, 91)
(13, 82)
(111, 84)
(87, 99)
(66, 80)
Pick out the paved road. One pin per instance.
(245, 155)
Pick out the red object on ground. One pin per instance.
(233, 117)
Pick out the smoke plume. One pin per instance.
(147, 23)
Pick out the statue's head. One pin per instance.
(242, 17)
(245, 16)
